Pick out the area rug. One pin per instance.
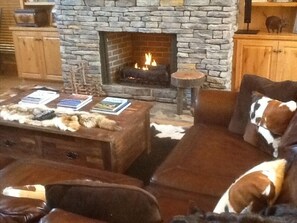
(168, 131)
(164, 138)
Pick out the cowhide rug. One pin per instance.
(168, 131)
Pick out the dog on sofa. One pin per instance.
(281, 213)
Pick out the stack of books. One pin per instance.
(74, 101)
(39, 97)
(111, 105)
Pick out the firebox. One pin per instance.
(144, 59)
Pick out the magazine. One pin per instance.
(39, 97)
(111, 105)
(75, 101)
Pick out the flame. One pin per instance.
(148, 59)
(148, 62)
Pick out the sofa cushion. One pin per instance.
(207, 160)
(5, 160)
(289, 188)
(268, 121)
(283, 91)
(254, 190)
(108, 202)
(36, 171)
(21, 209)
(289, 138)
(61, 216)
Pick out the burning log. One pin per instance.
(154, 75)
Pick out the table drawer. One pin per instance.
(72, 150)
(18, 142)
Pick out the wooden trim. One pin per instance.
(39, 3)
(274, 4)
(268, 36)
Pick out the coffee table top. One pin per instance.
(129, 117)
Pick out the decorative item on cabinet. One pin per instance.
(247, 19)
(275, 23)
(31, 17)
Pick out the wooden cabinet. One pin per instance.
(287, 61)
(270, 55)
(37, 53)
(266, 56)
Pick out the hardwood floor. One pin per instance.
(10, 81)
(161, 113)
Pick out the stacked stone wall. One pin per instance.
(204, 30)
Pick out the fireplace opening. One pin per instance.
(143, 59)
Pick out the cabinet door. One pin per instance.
(287, 61)
(27, 50)
(52, 56)
(254, 57)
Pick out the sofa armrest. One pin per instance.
(61, 216)
(21, 210)
(104, 201)
(214, 107)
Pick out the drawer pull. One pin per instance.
(72, 155)
(9, 143)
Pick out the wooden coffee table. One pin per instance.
(96, 148)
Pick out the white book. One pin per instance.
(39, 97)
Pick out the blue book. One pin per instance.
(75, 101)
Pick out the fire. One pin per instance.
(148, 62)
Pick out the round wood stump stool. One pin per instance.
(186, 79)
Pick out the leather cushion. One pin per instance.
(103, 201)
(61, 216)
(289, 138)
(282, 91)
(207, 160)
(21, 209)
(5, 160)
(289, 188)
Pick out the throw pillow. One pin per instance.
(254, 190)
(269, 119)
(282, 91)
(104, 201)
(35, 191)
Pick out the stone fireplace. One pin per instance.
(198, 32)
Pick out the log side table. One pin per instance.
(186, 79)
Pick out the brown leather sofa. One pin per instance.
(199, 170)
(210, 157)
(73, 194)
